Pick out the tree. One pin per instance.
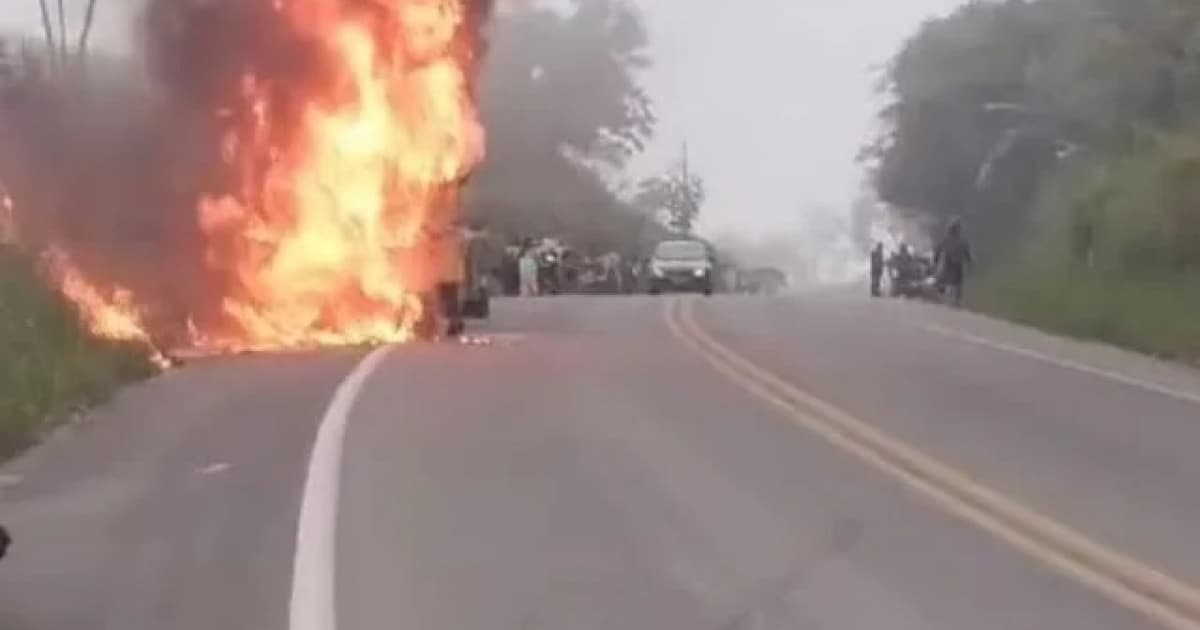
(89, 17)
(1068, 134)
(1098, 68)
(58, 41)
(985, 100)
(676, 195)
(562, 102)
(558, 81)
(939, 127)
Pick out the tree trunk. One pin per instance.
(48, 31)
(86, 32)
(62, 35)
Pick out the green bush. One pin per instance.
(1116, 252)
(50, 366)
(1157, 315)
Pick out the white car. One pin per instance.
(681, 265)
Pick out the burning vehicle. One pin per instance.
(292, 177)
(347, 216)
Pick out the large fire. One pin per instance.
(334, 233)
(338, 211)
(109, 313)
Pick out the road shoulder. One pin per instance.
(1097, 358)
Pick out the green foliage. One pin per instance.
(939, 132)
(1150, 313)
(1088, 72)
(559, 81)
(51, 366)
(565, 110)
(1102, 240)
(1117, 252)
(1136, 211)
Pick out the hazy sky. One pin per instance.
(111, 16)
(774, 97)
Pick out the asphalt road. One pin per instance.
(596, 467)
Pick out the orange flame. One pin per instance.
(109, 314)
(331, 235)
(8, 221)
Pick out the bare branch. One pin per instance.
(47, 29)
(86, 32)
(62, 33)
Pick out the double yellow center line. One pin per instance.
(1166, 601)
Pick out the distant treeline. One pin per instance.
(1067, 134)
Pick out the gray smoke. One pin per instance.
(110, 163)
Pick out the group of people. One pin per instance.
(952, 259)
(536, 267)
(526, 266)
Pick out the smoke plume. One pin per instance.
(108, 162)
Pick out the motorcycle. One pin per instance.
(549, 276)
(917, 280)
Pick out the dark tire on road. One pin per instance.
(426, 328)
(5, 541)
(478, 307)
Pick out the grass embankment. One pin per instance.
(1115, 253)
(50, 367)
(1158, 316)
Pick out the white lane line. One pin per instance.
(312, 604)
(1118, 377)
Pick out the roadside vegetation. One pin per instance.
(51, 367)
(1113, 253)
(566, 112)
(1066, 133)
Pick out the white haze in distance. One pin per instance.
(775, 98)
(112, 29)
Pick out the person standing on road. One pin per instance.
(527, 269)
(876, 269)
(901, 265)
(510, 272)
(952, 258)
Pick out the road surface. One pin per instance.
(733, 463)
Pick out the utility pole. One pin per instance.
(685, 161)
(689, 201)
